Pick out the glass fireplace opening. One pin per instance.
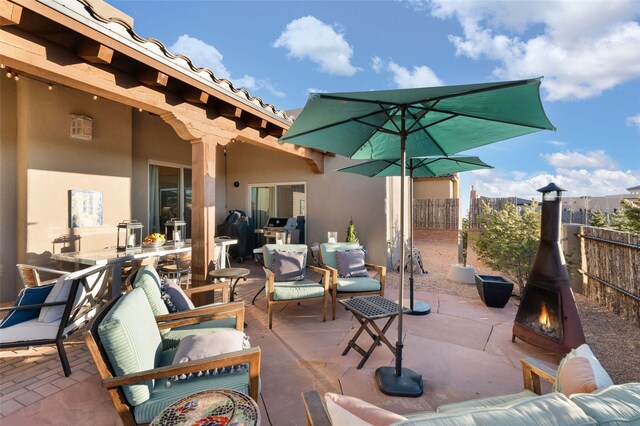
(540, 311)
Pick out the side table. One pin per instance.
(216, 406)
(367, 309)
(230, 274)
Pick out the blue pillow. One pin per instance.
(28, 296)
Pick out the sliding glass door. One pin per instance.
(169, 196)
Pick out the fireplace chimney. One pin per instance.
(547, 316)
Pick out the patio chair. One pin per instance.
(342, 287)
(30, 275)
(289, 283)
(180, 269)
(126, 345)
(68, 307)
(201, 319)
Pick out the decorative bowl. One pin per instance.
(154, 244)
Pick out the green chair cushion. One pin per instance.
(132, 342)
(293, 290)
(550, 409)
(485, 402)
(328, 252)
(173, 336)
(358, 284)
(614, 405)
(149, 280)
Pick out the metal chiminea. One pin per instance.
(547, 316)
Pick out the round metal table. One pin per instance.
(232, 274)
(216, 406)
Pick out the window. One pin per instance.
(169, 196)
(279, 200)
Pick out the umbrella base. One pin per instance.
(409, 383)
(420, 308)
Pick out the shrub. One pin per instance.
(352, 237)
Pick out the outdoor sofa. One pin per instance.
(572, 403)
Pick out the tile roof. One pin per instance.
(122, 30)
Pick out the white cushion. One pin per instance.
(199, 346)
(29, 330)
(60, 293)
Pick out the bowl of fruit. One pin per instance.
(154, 240)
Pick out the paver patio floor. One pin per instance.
(462, 349)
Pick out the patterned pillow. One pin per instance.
(288, 265)
(351, 263)
(173, 296)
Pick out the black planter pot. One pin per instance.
(494, 291)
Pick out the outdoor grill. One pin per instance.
(274, 225)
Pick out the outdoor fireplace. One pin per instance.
(547, 316)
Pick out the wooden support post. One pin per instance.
(203, 213)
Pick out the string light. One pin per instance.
(8, 74)
(17, 77)
(140, 109)
(2, 66)
(95, 97)
(50, 86)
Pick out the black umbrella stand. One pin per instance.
(400, 381)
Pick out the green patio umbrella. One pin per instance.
(391, 124)
(417, 167)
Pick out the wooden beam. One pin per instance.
(229, 111)
(196, 96)
(10, 13)
(275, 131)
(152, 77)
(256, 122)
(95, 53)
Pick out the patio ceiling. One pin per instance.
(90, 46)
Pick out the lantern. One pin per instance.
(178, 229)
(129, 235)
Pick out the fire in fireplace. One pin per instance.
(547, 316)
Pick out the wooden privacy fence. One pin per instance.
(436, 213)
(611, 270)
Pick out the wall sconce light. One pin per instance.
(236, 184)
(81, 127)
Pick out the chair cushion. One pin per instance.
(347, 410)
(358, 284)
(173, 336)
(288, 265)
(549, 409)
(485, 402)
(60, 293)
(204, 345)
(614, 405)
(131, 339)
(30, 330)
(268, 251)
(598, 374)
(292, 290)
(27, 296)
(149, 280)
(328, 255)
(351, 263)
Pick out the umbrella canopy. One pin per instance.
(418, 167)
(437, 120)
(391, 124)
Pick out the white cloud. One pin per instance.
(557, 143)
(419, 76)
(312, 39)
(582, 48)
(571, 159)
(634, 121)
(314, 90)
(577, 182)
(377, 64)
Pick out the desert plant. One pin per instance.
(464, 239)
(508, 240)
(352, 237)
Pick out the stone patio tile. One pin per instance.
(7, 407)
(46, 389)
(475, 310)
(447, 328)
(28, 398)
(500, 344)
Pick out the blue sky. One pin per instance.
(588, 52)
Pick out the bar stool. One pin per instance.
(181, 269)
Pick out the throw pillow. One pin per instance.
(577, 376)
(288, 265)
(351, 263)
(347, 410)
(27, 296)
(59, 293)
(204, 345)
(599, 374)
(173, 296)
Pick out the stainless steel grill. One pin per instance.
(280, 224)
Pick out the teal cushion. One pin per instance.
(358, 284)
(293, 290)
(328, 252)
(485, 402)
(615, 405)
(268, 249)
(148, 279)
(132, 342)
(550, 409)
(172, 338)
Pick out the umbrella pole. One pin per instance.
(417, 308)
(400, 381)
